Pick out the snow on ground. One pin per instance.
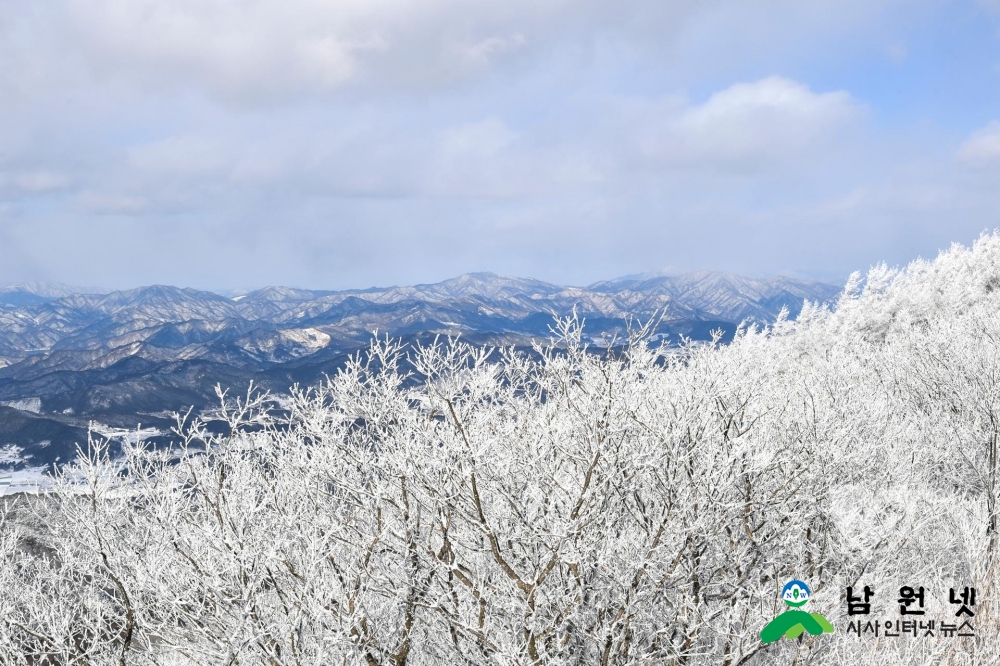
(27, 480)
(132, 436)
(33, 405)
(38, 478)
(310, 338)
(10, 454)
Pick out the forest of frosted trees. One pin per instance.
(458, 505)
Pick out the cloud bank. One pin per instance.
(231, 144)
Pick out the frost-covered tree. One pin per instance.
(459, 505)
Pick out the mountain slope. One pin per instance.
(725, 295)
(126, 357)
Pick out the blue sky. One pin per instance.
(231, 144)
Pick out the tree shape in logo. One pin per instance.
(793, 623)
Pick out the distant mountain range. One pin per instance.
(71, 357)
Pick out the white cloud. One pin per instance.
(982, 148)
(494, 47)
(276, 51)
(293, 138)
(34, 182)
(749, 126)
(229, 48)
(251, 51)
(767, 126)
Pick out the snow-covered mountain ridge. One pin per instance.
(124, 357)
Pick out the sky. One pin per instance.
(232, 144)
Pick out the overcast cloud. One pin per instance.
(231, 144)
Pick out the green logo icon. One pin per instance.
(793, 623)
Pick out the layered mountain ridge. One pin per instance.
(121, 358)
